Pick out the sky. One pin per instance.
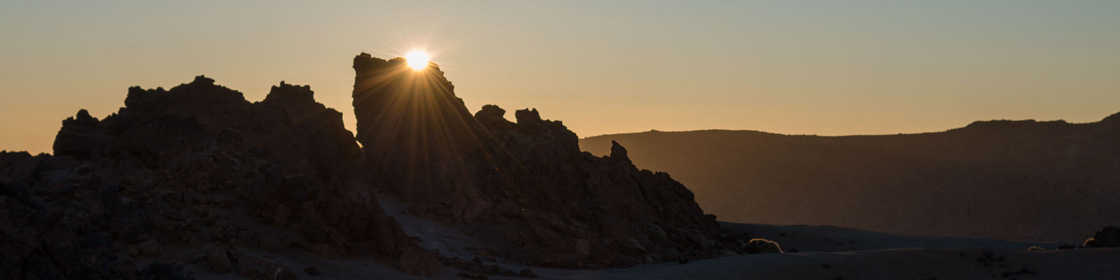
(794, 67)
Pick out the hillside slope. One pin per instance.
(1020, 180)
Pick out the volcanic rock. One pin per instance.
(80, 136)
(762, 246)
(618, 153)
(218, 259)
(526, 183)
(188, 166)
(418, 134)
(197, 165)
(1107, 237)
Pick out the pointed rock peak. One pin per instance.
(83, 118)
(618, 152)
(84, 115)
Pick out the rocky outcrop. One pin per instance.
(196, 173)
(196, 166)
(1106, 237)
(418, 135)
(526, 183)
(80, 135)
(762, 246)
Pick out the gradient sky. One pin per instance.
(796, 67)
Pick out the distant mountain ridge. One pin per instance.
(987, 179)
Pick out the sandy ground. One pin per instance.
(915, 263)
(837, 239)
(819, 252)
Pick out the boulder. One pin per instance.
(218, 259)
(1107, 237)
(762, 246)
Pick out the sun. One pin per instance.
(417, 59)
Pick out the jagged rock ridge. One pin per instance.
(525, 182)
(186, 167)
(197, 173)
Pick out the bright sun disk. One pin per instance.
(417, 59)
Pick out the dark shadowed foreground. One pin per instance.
(1018, 180)
(822, 253)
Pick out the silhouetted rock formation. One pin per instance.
(181, 168)
(525, 182)
(1018, 180)
(762, 246)
(1107, 237)
(81, 135)
(198, 174)
(414, 130)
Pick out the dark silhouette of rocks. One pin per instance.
(1106, 237)
(218, 259)
(618, 153)
(198, 174)
(762, 246)
(526, 183)
(410, 123)
(1017, 180)
(81, 136)
(196, 166)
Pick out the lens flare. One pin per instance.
(417, 59)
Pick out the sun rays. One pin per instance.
(417, 59)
